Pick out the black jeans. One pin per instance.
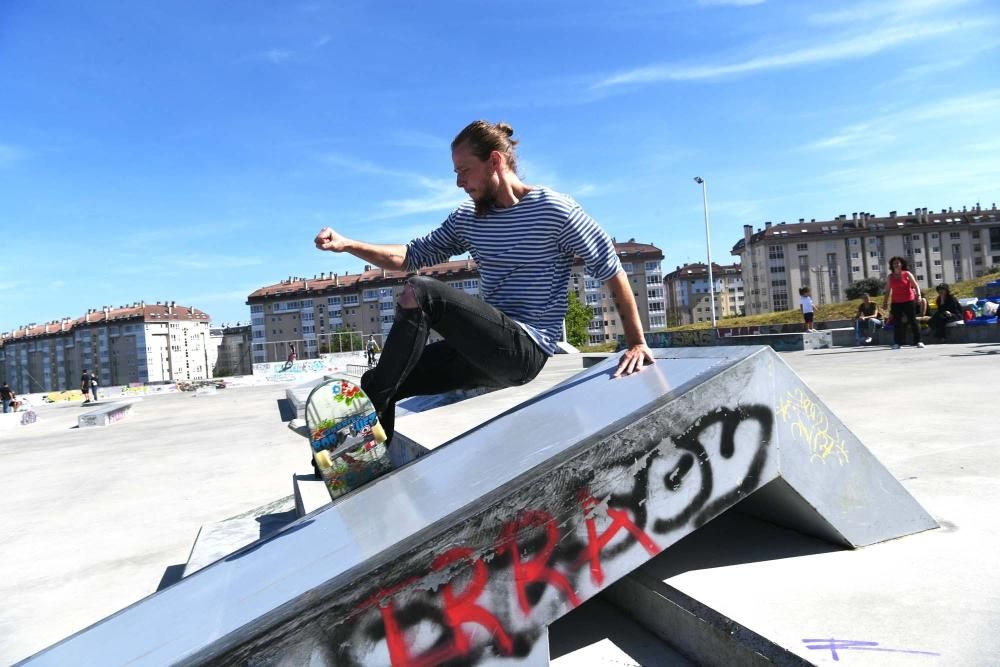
(939, 321)
(908, 310)
(482, 347)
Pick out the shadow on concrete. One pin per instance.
(735, 538)
(285, 410)
(171, 576)
(979, 352)
(603, 621)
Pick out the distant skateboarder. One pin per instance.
(524, 239)
(290, 360)
(372, 349)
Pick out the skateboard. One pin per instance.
(348, 444)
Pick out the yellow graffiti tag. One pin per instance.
(809, 423)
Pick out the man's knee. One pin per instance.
(408, 299)
(417, 288)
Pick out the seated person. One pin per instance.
(920, 306)
(866, 320)
(948, 310)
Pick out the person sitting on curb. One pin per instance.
(948, 310)
(866, 320)
(7, 396)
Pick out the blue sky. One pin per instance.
(190, 150)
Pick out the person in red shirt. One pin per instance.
(903, 290)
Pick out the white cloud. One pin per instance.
(278, 56)
(441, 196)
(859, 46)
(975, 108)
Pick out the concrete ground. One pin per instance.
(95, 518)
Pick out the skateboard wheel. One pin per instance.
(378, 433)
(323, 459)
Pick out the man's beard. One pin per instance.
(485, 202)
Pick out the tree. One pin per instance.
(577, 318)
(870, 286)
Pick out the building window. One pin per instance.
(802, 247)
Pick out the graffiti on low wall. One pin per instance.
(284, 371)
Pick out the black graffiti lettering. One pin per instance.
(655, 468)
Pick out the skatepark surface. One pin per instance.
(97, 518)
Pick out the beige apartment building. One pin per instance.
(689, 298)
(828, 256)
(308, 312)
(139, 343)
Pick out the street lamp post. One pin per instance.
(708, 244)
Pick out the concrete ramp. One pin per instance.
(471, 551)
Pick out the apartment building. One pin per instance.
(828, 256)
(232, 343)
(642, 263)
(689, 297)
(309, 312)
(142, 342)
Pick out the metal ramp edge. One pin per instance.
(469, 553)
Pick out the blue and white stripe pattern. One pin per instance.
(524, 254)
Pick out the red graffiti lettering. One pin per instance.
(462, 608)
(620, 520)
(537, 569)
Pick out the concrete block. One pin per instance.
(105, 415)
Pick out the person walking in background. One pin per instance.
(866, 320)
(6, 396)
(806, 306)
(948, 310)
(902, 289)
(87, 386)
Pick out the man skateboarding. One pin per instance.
(524, 239)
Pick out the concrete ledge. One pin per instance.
(107, 414)
(783, 342)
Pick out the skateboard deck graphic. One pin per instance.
(348, 443)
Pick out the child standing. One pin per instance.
(806, 306)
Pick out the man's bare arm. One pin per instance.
(387, 256)
(637, 353)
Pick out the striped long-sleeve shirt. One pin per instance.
(524, 254)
